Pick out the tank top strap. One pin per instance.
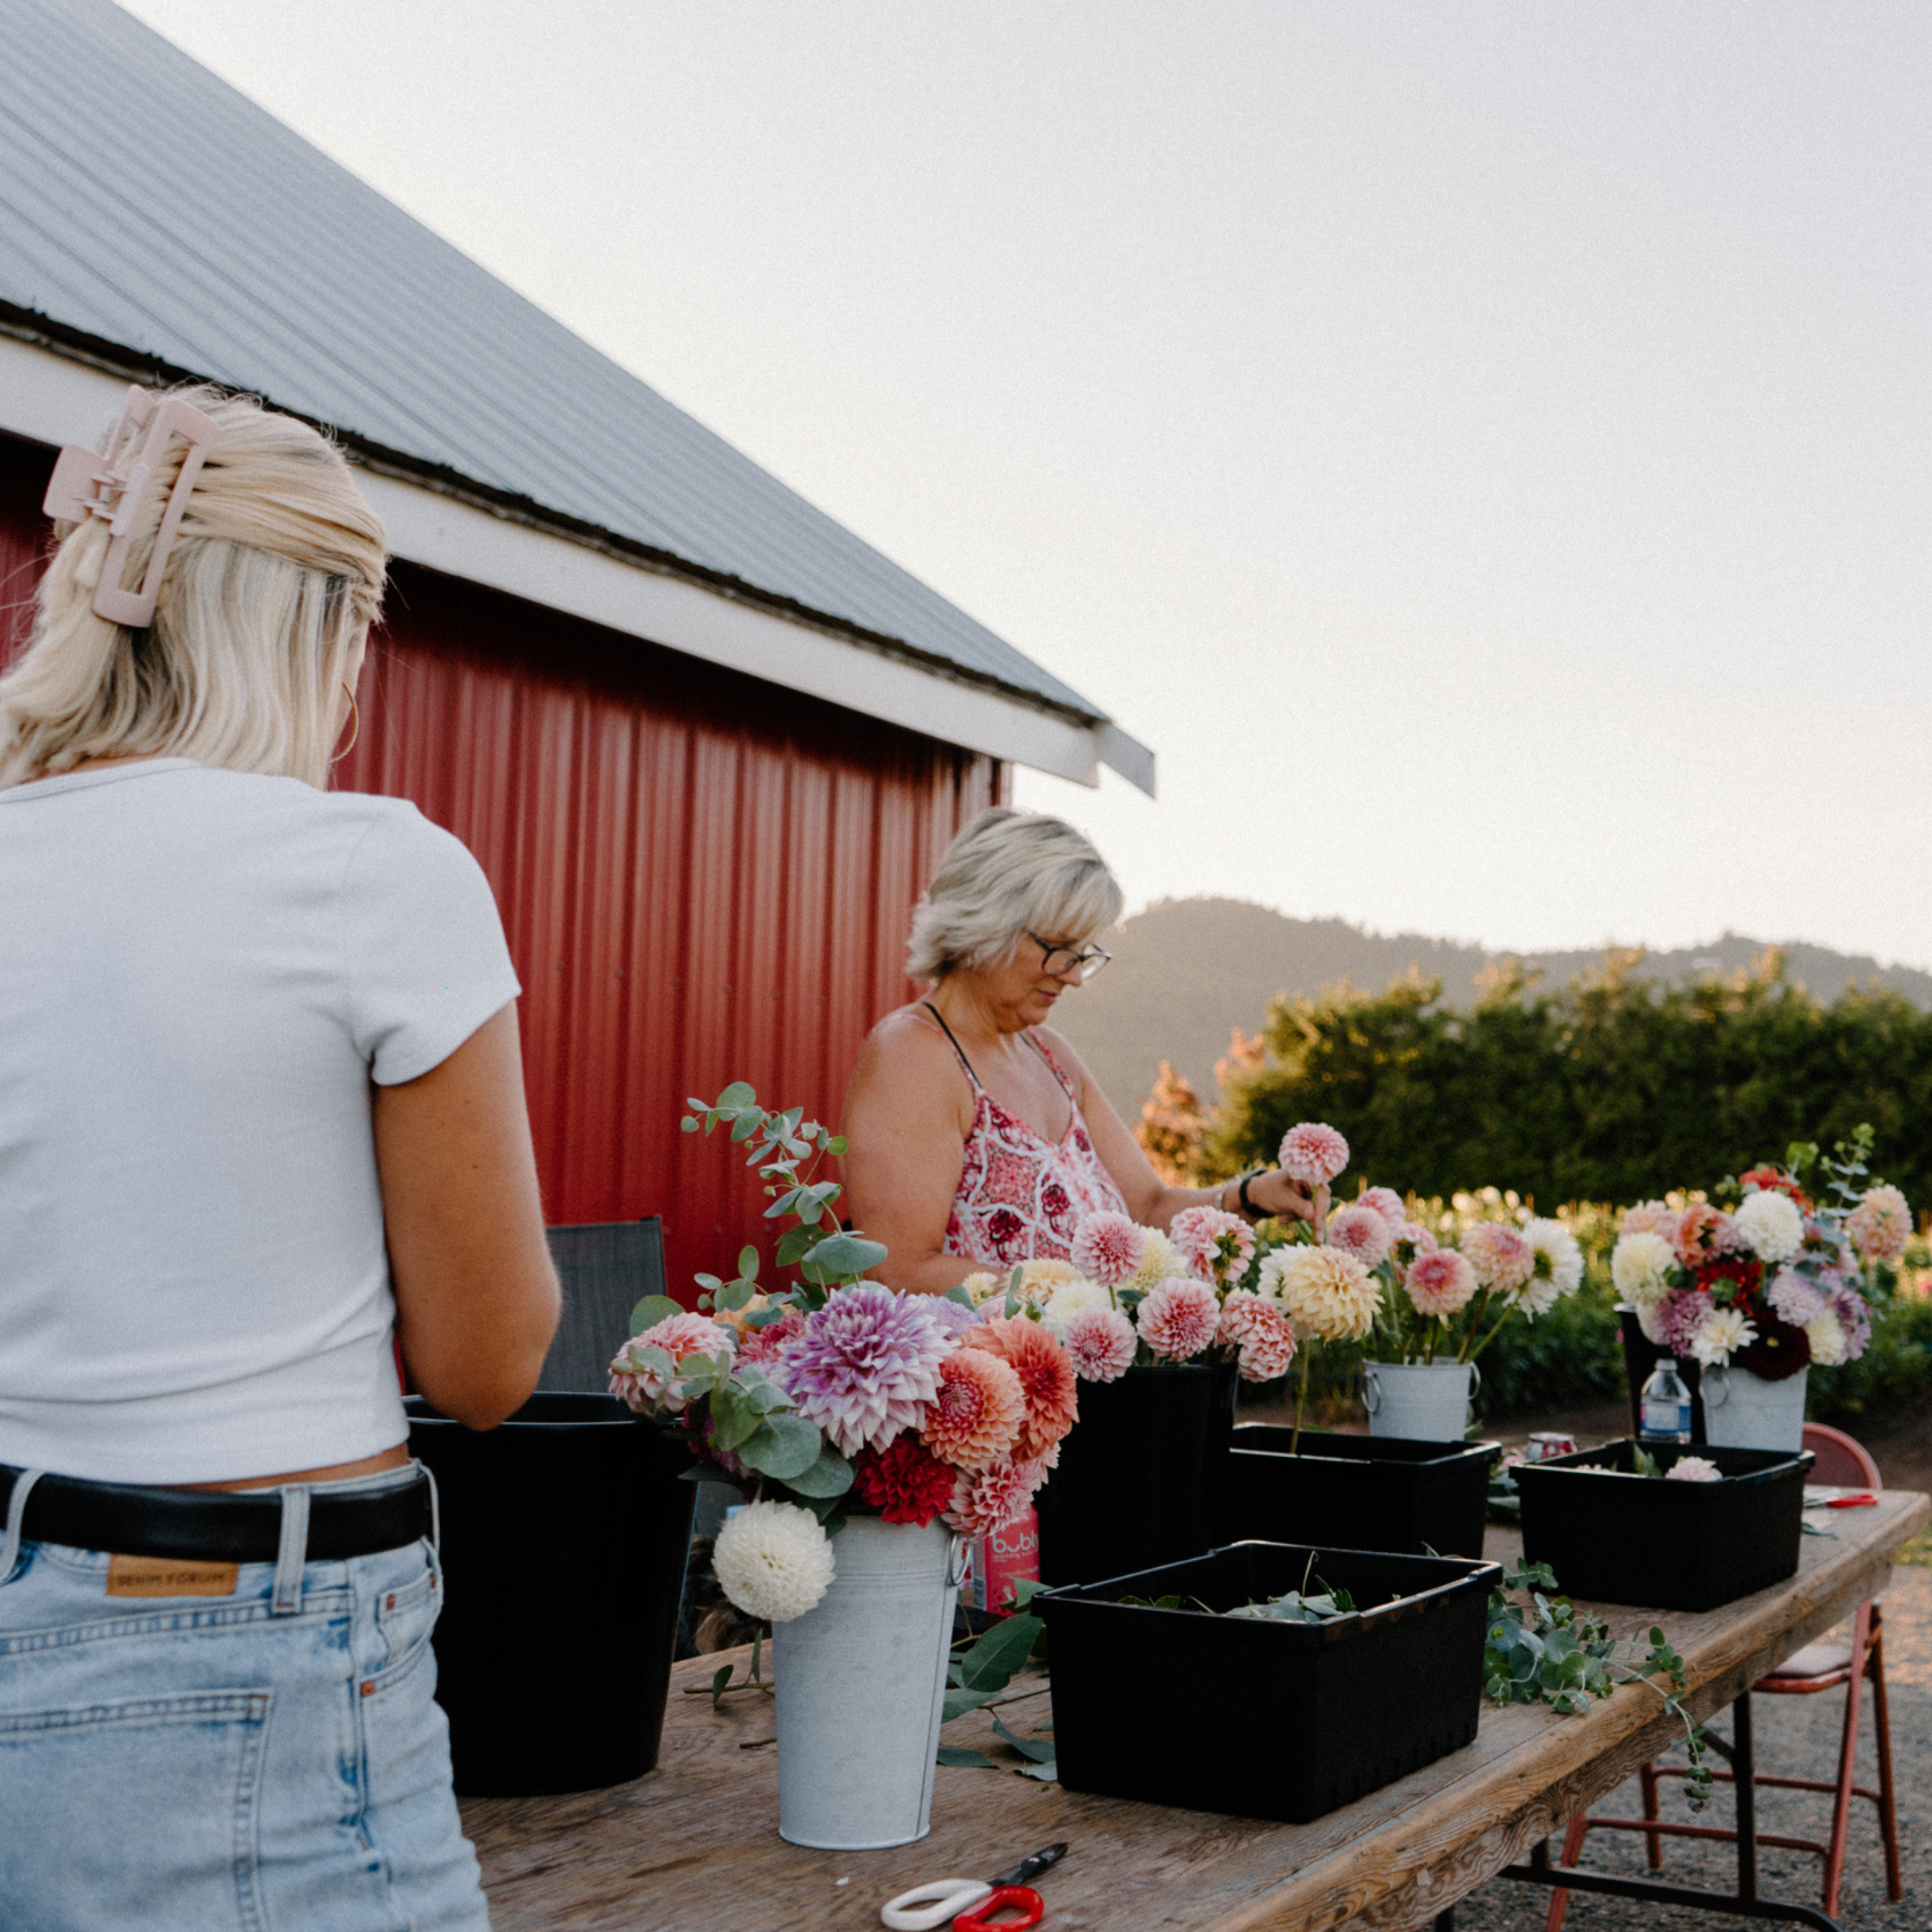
(958, 1050)
(1059, 1071)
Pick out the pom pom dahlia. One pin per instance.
(1328, 1295)
(1412, 1240)
(1641, 1265)
(1046, 1381)
(866, 1365)
(760, 1346)
(1826, 1333)
(985, 1286)
(986, 1500)
(1214, 1245)
(1109, 1248)
(1260, 1331)
(1440, 1282)
(1795, 1299)
(1499, 1254)
(1075, 1297)
(1650, 1218)
(1679, 1316)
(1880, 1225)
(1179, 1318)
(1361, 1232)
(1100, 1343)
(644, 1370)
(1772, 1224)
(976, 1418)
(1313, 1152)
(1386, 1202)
(1161, 1262)
(773, 1560)
(905, 1483)
(1694, 1469)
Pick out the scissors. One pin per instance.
(969, 1903)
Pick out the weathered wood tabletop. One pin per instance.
(693, 1847)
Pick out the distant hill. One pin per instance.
(1186, 971)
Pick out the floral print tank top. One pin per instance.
(1021, 1197)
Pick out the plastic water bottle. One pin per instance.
(1666, 1405)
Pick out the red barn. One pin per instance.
(707, 744)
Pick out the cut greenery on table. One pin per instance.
(1540, 1651)
(977, 1677)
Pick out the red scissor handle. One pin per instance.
(1864, 1499)
(1024, 1899)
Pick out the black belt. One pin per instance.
(215, 1525)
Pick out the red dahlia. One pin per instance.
(1775, 1180)
(905, 1482)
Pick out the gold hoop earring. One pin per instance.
(355, 716)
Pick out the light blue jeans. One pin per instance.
(272, 1760)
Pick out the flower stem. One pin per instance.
(1294, 1441)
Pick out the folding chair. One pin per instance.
(1842, 1463)
(607, 1268)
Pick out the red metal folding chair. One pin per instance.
(1842, 1463)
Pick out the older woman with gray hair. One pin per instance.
(978, 1137)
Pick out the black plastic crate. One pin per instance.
(1665, 1545)
(1258, 1718)
(1356, 1492)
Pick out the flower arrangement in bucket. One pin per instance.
(1759, 1292)
(869, 1431)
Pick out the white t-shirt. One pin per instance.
(200, 972)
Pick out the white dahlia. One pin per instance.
(1720, 1335)
(773, 1560)
(1640, 1265)
(1329, 1295)
(1070, 1299)
(1557, 1268)
(1826, 1334)
(1771, 1223)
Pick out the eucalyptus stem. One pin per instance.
(1294, 1441)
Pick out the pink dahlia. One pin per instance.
(1313, 1152)
(975, 1419)
(1212, 1243)
(1440, 1282)
(955, 1317)
(866, 1365)
(1410, 1241)
(1100, 1344)
(1650, 1218)
(644, 1370)
(1109, 1248)
(1795, 1299)
(761, 1345)
(1880, 1225)
(986, 1500)
(1260, 1330)
(1047, 1380)
(1359, 1231)
(1179, 1318)
(1702, 1234)
(1682, 1313)
(904, 1483)
(1503, 1259)
(1386, 1202)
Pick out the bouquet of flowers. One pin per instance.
(1774, 1283)
(839, 1396)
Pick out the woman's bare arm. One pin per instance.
(907, 1116)
(477, 1299)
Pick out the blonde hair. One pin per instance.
(1006, 872)
(278, 566)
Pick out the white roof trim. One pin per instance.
(53, 398)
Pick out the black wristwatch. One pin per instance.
(1247, 1207)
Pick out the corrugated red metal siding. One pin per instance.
(703, 877)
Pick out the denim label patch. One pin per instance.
(169, 1576)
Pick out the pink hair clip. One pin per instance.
(85, 484)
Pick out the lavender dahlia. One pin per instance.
(865, 1366)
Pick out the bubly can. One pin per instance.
(1548, 1443)
(996, 1563)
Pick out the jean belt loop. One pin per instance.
(16, 1515)
(294, 1551)
(436, 1523)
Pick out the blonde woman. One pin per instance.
(978, 1137)
(261, 1114)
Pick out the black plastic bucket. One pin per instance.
(565, 1534)
(1261, 1719)
(1139, 1474)
(1640, 1356)
(1361, 1492)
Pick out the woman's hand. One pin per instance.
(1276, 1193)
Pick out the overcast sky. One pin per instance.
(1483, 448)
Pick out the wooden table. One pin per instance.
(693, 1847)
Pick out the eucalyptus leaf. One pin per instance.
(748, 1262)
(1047, 1773)
(957, 1292)
(830, 1476)
(959, 1702)
(784, 1447)
(1040, 1753)
(651, 1310)
(735, 1418)
(958, 1755)
(736, 1294)
(841, 1257)
(990, 1664)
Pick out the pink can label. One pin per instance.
(996, 1563)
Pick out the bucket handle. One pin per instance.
(1475, 1381)
(1715, 1386)
(1371, 1390)
(956, 1564)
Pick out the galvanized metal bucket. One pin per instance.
(1421, 1401)
(860, 1681)
(1743, 1410)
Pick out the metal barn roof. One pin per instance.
(150, 206)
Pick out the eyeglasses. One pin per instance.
(1062, 960)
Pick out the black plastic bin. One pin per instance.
(1640, 1356)
(1370, 1492)
(1139, 1474)
(1257, 1718)
(1664, 1545)
(564, 1541)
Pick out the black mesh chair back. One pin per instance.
(605, 1268)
